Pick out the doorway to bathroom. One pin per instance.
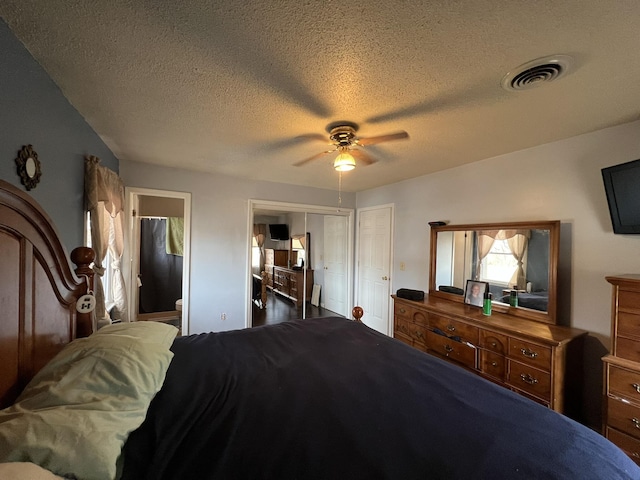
(159, 253)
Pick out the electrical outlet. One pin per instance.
(402, 266)
(223, 316)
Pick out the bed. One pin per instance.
(316, 398)
(533, 300)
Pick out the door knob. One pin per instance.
(385, 278)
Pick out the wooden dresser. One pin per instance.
(289, 283)
(622, 367)
(540, 361)
(274, 258)
(285, 281)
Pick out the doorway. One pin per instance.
(303, 221)
(159, 253)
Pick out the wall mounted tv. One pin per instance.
(279, 231)
(622, 186)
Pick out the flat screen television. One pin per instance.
(622, 186)
(279, 231)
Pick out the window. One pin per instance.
(499, 266)
(108, 269)
(255, 254)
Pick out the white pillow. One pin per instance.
(76, 414)
(160, 333)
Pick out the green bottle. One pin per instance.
(486, 305)
(513, 298)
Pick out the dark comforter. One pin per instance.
(332, 399)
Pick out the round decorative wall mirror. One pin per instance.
(28, 167)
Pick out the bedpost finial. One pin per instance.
(357, 313)
(82, 256)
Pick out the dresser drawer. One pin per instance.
(401, 310)
(493, 364)
(628, 324)
(453, 328)
(624, 417)
(530, 353)
(628, 349)
(494, 342)
(628, 300)
(529, 379)
(624, 383)
(412, 314)
(628, 444)
(293, 284)
(447, 347)
(416, 333)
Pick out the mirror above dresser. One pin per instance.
(520, 257)
(518, 346)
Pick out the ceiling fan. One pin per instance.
(342, 136)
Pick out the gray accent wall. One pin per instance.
(35, 111)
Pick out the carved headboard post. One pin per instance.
(82, 257)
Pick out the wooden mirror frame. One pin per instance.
(550, 316)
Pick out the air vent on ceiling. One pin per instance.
(537, 72)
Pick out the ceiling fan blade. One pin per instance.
(314, 157)
(382, 138)
(363, 156)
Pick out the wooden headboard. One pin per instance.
(38, 291)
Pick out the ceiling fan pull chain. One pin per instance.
(339, 190)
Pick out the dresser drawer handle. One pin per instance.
(451, 328)
(636, 387)
(494, 344)
(636, 422)
(402, 310)
(528, 353)
(532, 381)
(448, 348)
(494, 364)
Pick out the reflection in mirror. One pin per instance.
(516, 259)
(300, 245)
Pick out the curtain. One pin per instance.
(260, 233)
(104, 200)
(518, 240)
(518, 244)
(484, 243)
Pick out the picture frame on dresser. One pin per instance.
(474, 292)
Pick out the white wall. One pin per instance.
(220, 234)
(556, 181)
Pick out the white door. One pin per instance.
(335, 264)
(374, 267)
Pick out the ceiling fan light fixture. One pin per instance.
(344, 162)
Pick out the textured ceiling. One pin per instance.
(227, 86)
